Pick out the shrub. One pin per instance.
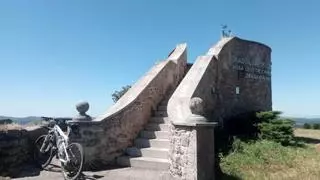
(238, 145)
(259, 125)
(249, 128)
(316, 126)
(273, 128)
(306, 126)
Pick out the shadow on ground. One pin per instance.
(90, 177)
(307, 140)
(54, 171)
(28, 170)
(228, 177)
(223, 176)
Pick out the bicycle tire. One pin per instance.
(49, 154)
(67, 172)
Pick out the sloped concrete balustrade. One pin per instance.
(109, 135)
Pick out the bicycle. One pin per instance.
(56, 143)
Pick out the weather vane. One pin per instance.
(225, 32)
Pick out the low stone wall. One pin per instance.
(110, 134)
(16, 148)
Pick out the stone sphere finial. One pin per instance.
(82, 107)
(197, 106)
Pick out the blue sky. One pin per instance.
(54, 54)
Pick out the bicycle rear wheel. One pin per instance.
(73, 168)
(42, 159)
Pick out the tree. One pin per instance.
(316, 126)
(118, 94)
(306, 126)
(274, 128)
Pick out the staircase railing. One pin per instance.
(107, 136)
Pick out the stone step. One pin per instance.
(154, 134)
(144, 162)
(157, 127)
(159, 120)
(161, 114)
(155, 153)
(162, 108)
(148, 152)
(155, 143)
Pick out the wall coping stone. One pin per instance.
(179, 103)
(134, 92)
(217, 48)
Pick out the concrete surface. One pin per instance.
(53, 172)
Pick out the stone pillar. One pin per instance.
(192, 155)
(192, 151)
(81, 129)
(74, 125)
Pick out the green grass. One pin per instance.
(269, 160)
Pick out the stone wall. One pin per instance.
(234, 77)
(192, 144)
(16, 148)
(197, 83)
(110, 134)
(243, 66)
(231, 65)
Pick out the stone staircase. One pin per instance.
(151, 148)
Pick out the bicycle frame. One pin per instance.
(60, 142)
(56, 143)
(64, 143)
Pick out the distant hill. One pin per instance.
(29, 119)
(23, 120)
(301, 121)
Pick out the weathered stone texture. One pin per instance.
(206, 86)
(191, 152)
(183, 157)
(197, 83)
(109, 135)
(245, 65)
(233, 78)
(232, 63)
(16, 148)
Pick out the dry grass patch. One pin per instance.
(270, 160)
(13, 126)
(308, 133)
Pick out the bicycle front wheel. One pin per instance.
(42, 159)
(73, 168)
